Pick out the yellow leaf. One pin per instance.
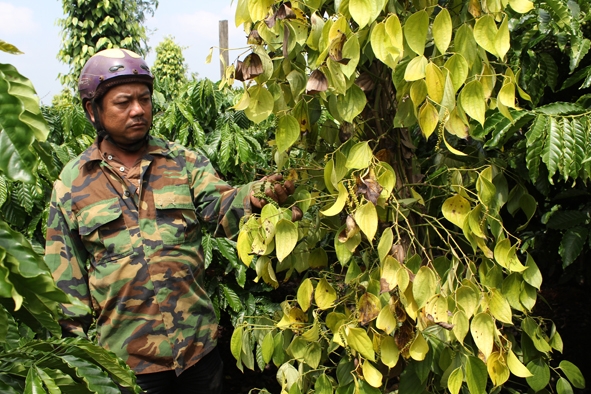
(418, 92)
(516, 367)
(339, 204)
(304, 295)
(369, 308)
(456, 209)
(358, 339)
(435, 82)
(366, 217)
(485, 33)
(286, 238)
(419, 348)
(415, 69)
(260, 105)
(390, 267)
(503, 39)
(488, 80)
(361, 11)
(386, 320)
(521, 6)
(456, 126)
(259, 9)
(242, 15)
(390, 352)
(428, 119)
(325, 294)
(499, 307)
(244, 247)
(385, 243)
(482, 329)
(472, 100)
(442, 30)
(371, 374)
(497, 369)
(467, 299)
(507, 95)
(451, 148)
(460, 326)
(415, 31)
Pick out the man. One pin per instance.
(124, 234)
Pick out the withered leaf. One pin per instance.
(317, 82)
(285, 12)
(369, 187)
(335, 49)
(252, 66)
(254, 38)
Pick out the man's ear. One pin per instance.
(89, 111)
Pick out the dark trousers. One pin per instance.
(205, 377)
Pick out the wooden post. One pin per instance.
(224, 45)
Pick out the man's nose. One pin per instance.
(137, 109)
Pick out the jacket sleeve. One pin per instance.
(66, 257)
(217, 202)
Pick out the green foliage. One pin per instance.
(169, 68)
(410, 257)
(92, 25)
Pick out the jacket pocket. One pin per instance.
(175, 214)
(103, 230)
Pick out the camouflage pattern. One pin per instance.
(135, 256)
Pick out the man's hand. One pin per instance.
(274, 190)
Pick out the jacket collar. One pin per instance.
(156, 146)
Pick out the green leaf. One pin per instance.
(268, 347)
(6, 47)
(415, 31)
(288, 132)
(95, 379)
(424, 286)
(461, 325)
(455, 380)
(359, 156)
(352, 103)
(476, 375)
(323, 385)
(260, 104)
(540, 374)
(563, 386)
(286, 238)
(472, 100)
(573, 373)
(358, 339)
(442, 30)
(572, 244)
(236, 342)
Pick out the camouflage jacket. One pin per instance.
(135, 256)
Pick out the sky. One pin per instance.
(31, 26)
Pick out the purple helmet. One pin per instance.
(109, 68)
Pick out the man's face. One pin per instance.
(126, 112)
